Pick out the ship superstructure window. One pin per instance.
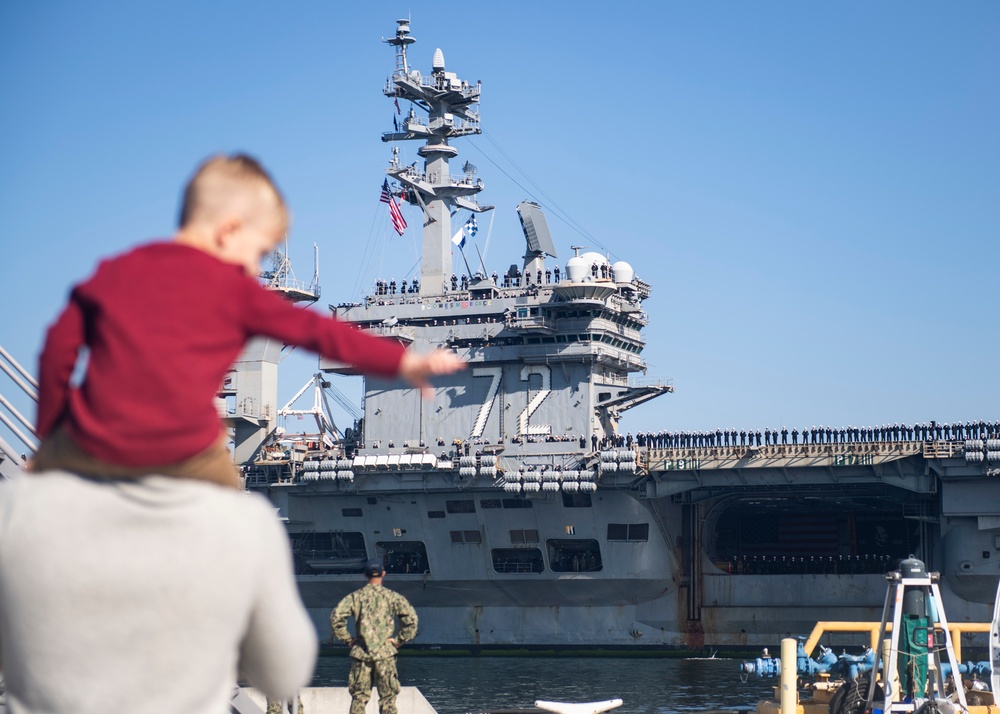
(474, 537)
(574, 556)
(464, 506)
(329, 552)
(524, 536)
(351, 512)
(518, 560)
(404, 556)
(435, 514)
(517, 503)
(576, 500)
(489, 503)
(628, 532)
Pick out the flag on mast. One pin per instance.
(471, 227)
(459, 238)
(398, 110)
(398, 222)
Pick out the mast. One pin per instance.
(449, 103)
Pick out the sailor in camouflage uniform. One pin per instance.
(373, 649)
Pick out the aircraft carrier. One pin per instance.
(511, 511)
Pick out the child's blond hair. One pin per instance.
(218, 181)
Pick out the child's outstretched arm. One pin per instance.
(58, 359)
(416, 368)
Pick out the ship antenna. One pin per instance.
(400, 41)
(450, 104)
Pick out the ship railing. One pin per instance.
(432, 178)
(642, 382)
(461, 125)
(621, 302)
(873, 628)
(530, 323)
(671, 458)
(943, 449)
(575, 349)
(12, 417)
(248, 408)
(287, 284)
(513, 567)
(435, 81)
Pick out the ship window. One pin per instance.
(517, 503)
(524, 536)
(584, 338)
(489, 503)
(638, 531)
(351, 512)
(435, 514)
(629, 532)
(331, 552)
(522, 312)
(468, 506)
(403, 556)
(574, 556)
(466, 537)
(603, 396)
(372, 500)
(572, 338)
(534, 311)
(576, 500)
(518, 560)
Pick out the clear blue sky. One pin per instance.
(811, 188)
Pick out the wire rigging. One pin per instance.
(550, 202)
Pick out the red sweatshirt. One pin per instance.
(164, 322)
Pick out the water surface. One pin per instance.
(455, 685)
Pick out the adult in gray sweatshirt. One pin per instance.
(144, 596)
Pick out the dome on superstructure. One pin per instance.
(623, 272)
(577, 269)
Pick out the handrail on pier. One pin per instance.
(956, 630)
(29, 385)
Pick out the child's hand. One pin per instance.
(415, 368)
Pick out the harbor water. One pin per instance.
(456, 685)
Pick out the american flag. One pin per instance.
(398, 222)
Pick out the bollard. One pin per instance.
(789, 677)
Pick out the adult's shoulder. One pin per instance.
(253, 508)
(9, 488)
(400, 600)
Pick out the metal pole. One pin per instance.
(789, 676)
(18, 433)
(20, 382)
(892, 678)
(24, 373)
(17, 415)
